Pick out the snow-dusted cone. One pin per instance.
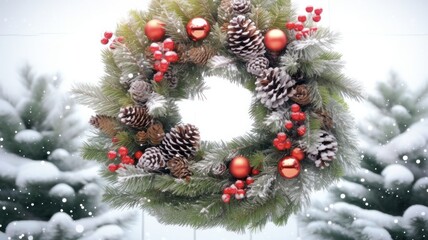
(257, 66)
(152, 160)
(135, 116)
(244, 39)
(179, 167)
(140, 92)
(241, 6)
(302, 95)
(171, 78)
(323, 151)
(225, 11)
(105, 124)
(183, 140)
(274, 88)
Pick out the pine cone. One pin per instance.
(179, 167)
(141, 137)
(219, 169)
(323, 151)
(225, 11)
(152, 160)
(135, 116)
(183, 140)
(140, 92)
(302, 95)
(155, 133)
(200, 55)
(171, 78)
(326, 119)
(274, 88)
(241, 6)
(244, 39)
(257, 66)
(105, 124)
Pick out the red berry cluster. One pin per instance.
(299, 27)
(164, 54)
(238, 190)
(281, 142)
(106, 39)
(125, 159)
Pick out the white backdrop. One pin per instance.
(63, 36)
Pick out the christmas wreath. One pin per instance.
(302, 137)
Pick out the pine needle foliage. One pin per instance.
(197, 202)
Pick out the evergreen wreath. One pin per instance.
(302, 138)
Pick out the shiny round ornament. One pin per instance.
(275, 40)
(240, 167)
(198, 29)
(289, 167)
(155, 30)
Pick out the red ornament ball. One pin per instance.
(112, 167)
(298, 154)
(108, 34)
(168, 44)
(318, 11)
(240, 167)
(111, 155)
(289, 25)
(275, 40)
(316, 18)
(309, 9)
(295, 107)
(289, 167)
(104, 41)
(155, 30)
(123, 151)
(301, 18)
(198, 29)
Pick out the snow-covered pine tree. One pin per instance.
(46, 191)
(388, 197)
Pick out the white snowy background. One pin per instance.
(63, 36)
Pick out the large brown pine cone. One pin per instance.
(274, 88)
(183, 140)
(179, 167)
(323, 151)
(105, 124)
(152, 160)
(135, 116)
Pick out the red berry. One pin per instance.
(240, 184)
(225, 198)
(281, 136)
(295, 107)
(309, 9)
(290, 25)
(316, 18)
(302, 116)
(112, 167)
(298, 26)
(108, 34)
(127, 160)
(164, 65)
(138, 154)
(298, 154)
(287, 144)
(301, 130)
(114, 140)
(295, 116)
(104, 41)
(111, 155)
(276, 141)
(112, 46)
(154, 47)
(168, 44)
(301, 18)
(318, 11)
(288, 125)
(158, 55)
(299, 35)
(281, 146)
(229, 190)
(305, 32)
(121, 39)
(171, 56)
(123, 151)
(158, 77)
(156, 66)
(249, 180)
(313, 29)
(255, 171)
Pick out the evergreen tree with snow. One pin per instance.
(388, 197)
(46, 191)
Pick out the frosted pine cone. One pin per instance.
(219, 169)
(152, 160)
(257, 66)
(225, 11)
(244, 39)
(323, 151)
(140, 92)
(241, 6)
(135, 116)
(179, 167)
(105, 124)
(171, 78)
(183, 140)
(274, 88)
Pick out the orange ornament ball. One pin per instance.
(155, 30)
(275, 40)
(289, 167)
(198, 29)
(240, 167)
